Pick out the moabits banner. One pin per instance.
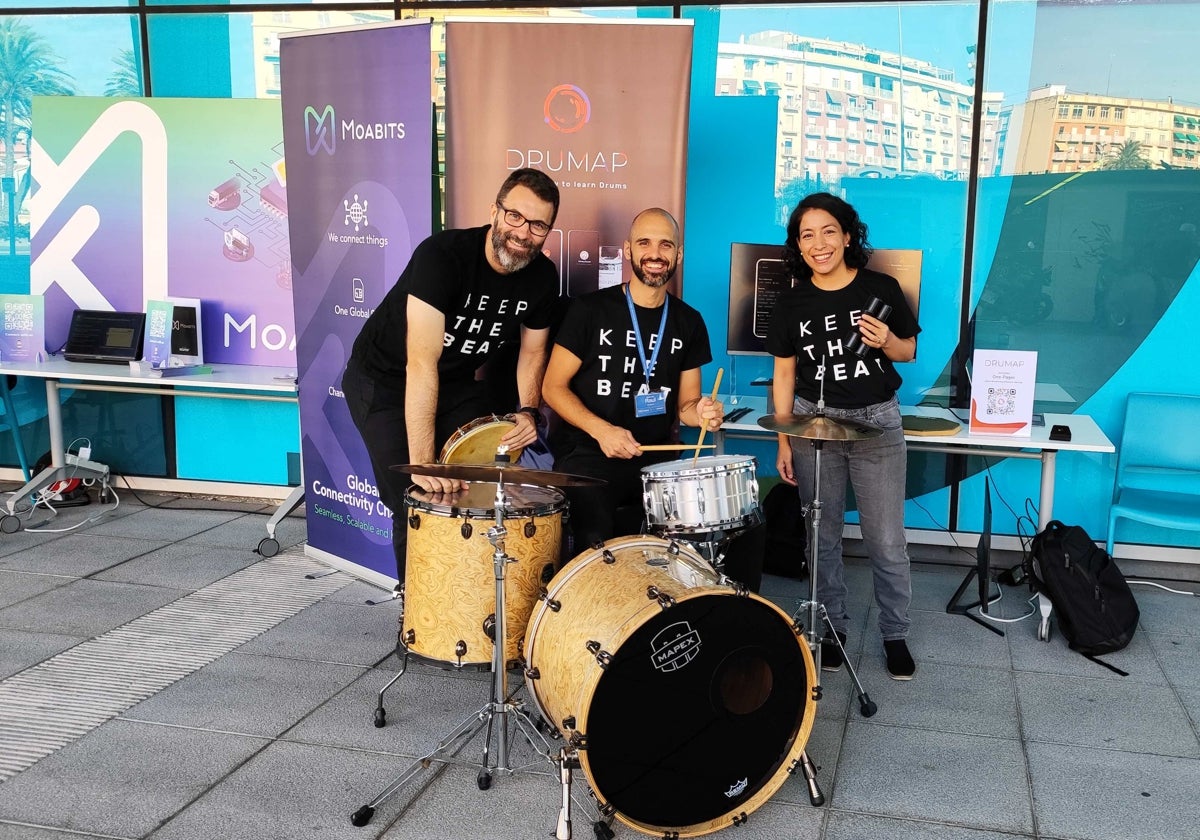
(141, 199)
(612, 135)
(357, 128)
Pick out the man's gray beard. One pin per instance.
(508, 260)
(662, 280)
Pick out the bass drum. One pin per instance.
(689, 702)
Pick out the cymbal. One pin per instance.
(509, 474)
(818, 427)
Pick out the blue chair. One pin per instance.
(10, 421)
(1158, 463)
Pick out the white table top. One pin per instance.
(1086, 436)
(222, 377)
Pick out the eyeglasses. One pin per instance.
(515, 219)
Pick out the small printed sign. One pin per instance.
(1002, 383)
(23, 332)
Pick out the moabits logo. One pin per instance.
(319, 130)
(322, 130)
(567, 109)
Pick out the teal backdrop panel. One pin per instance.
(205, 40)
(235, 440)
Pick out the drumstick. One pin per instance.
(703, 424)
(673, 447)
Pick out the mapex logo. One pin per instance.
(674, 646)
(319, 130)
(567, 109)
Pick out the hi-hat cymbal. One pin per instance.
(818, 427)
(508, 473)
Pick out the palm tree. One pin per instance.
(28, 68)
(1127, 155)
(126, 79)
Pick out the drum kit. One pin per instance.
(647, 620)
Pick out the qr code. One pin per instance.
(18, 318)
(158, 324)
(1001, 402)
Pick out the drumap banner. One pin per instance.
(612, 135)
(357, 131)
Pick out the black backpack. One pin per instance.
(1095, 608)
(785, 551)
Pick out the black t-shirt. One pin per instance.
(483, 308)
(598, 330)
(809, 323)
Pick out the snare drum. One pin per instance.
(701, 495)
(478, 441)
(450, 578)
(690, 703)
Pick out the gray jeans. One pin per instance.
(876, 468)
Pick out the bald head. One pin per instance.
(653, 247)
(654, 216)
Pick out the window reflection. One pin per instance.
(1093, 228)
(864, 91)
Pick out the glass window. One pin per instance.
(67, 4)
(59, 55)
(1102, 245)
(232, 54)
(261, 3)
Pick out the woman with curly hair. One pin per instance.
(821, 333)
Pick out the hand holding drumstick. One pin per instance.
(709, 410)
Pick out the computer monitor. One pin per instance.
(757, 277)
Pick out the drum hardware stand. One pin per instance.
(568, 761)
(500, 704)
(817, 614)
(818, 428)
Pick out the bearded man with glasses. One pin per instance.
(413, 376)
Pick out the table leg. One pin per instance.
(54, 422)
(1045, 514)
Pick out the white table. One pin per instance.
(1086, 436)
(225, 381)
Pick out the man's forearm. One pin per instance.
(420, 409)
(531, 368)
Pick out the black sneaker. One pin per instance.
(899, 661)
(831, 655)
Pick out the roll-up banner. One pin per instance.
(574, 99)
(357, 131)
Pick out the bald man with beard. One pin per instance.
(624, 373)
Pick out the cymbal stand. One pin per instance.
(500, 705)
(817, 613)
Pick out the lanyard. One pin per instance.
(648, 366)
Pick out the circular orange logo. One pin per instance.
(567, 109)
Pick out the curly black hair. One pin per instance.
(857, 252)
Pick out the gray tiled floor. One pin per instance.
(997, 738)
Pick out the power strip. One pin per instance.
(73, 460)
